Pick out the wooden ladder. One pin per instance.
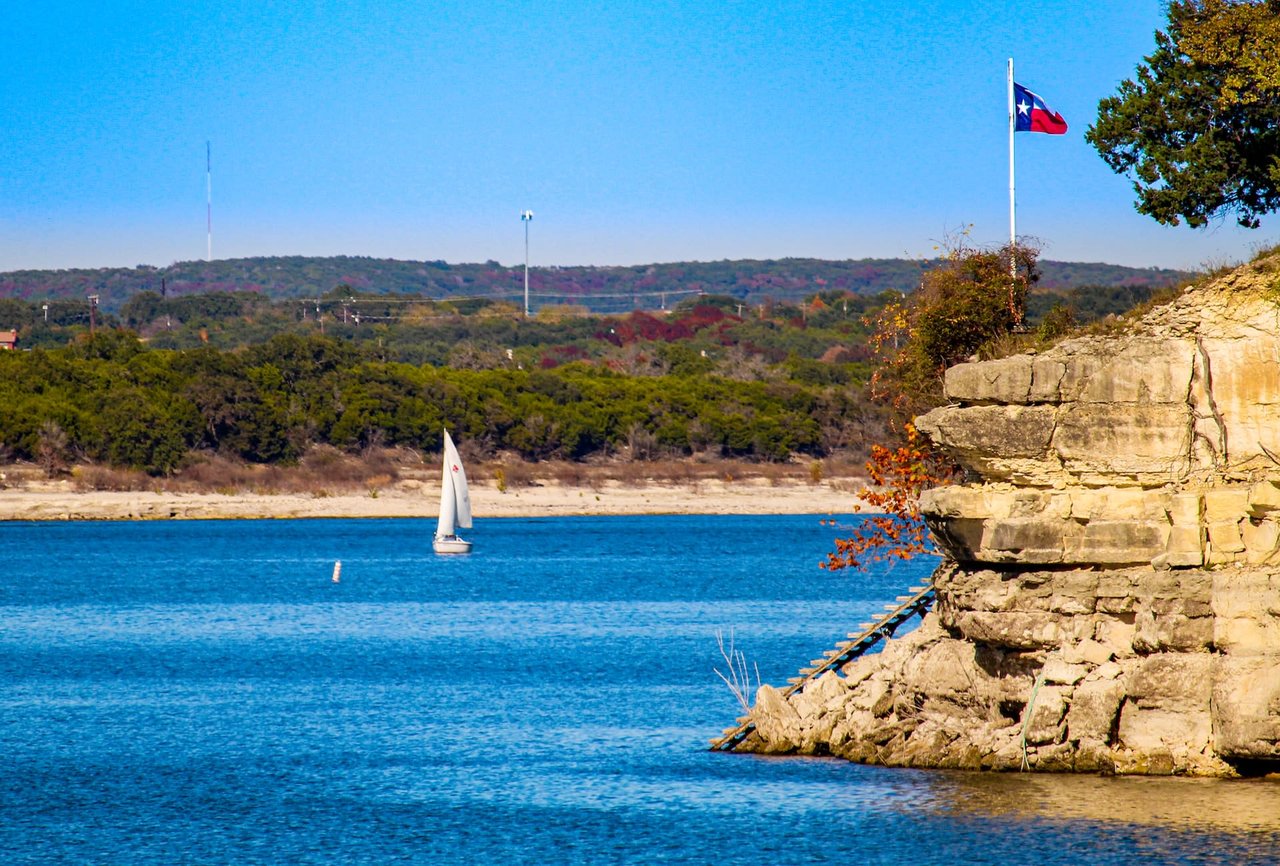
(916, 603)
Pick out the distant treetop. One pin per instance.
(598, 289)
(1198, 128)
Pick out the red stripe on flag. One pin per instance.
(1043, 121)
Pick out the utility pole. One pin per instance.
(208, 201)
(93, 306)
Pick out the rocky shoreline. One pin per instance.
(1111, 600)
(1128, 671)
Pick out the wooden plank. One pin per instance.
(869, 634)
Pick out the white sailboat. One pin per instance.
(455, 503)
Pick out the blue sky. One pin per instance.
(636, 131)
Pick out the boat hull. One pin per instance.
(451, 545)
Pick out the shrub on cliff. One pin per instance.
(971, 299)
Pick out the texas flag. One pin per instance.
(1030, 114)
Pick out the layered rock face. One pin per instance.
(1112, 599)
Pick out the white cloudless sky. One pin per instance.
(637, 132)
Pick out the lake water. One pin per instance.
(204, 693)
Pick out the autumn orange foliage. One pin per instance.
(897, 531)
(970, 299)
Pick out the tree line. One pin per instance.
(822, 338)
(108, 398)
(599, 290)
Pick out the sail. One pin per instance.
(448, 499)
(457, 487)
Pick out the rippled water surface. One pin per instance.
(204, 693)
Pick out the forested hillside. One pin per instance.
(109, 399)
(596, 289)
(167, 379)
(814, 338)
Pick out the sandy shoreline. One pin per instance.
(413, 499)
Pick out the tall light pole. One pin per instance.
(526, 217)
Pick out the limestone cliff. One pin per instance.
(1112, 595)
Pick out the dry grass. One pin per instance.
(327, 472)
(93, 477)
(1265, 258)
(682, 473)
(1265, 251)
(1125, 323)
(1007, 345)
(322, 472)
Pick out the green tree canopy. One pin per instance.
(972, 299)
(1198, 131)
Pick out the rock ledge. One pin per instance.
(1112, 596)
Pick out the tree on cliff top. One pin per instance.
(967, 302)
(1199, 130)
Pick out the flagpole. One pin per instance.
(1013, 235)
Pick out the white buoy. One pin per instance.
(337, 571)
